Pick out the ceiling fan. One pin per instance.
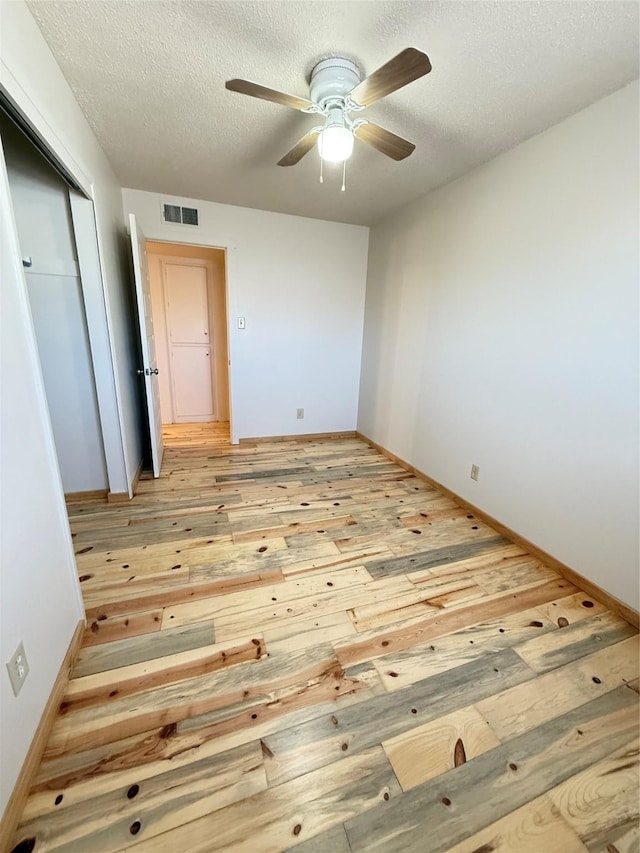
(338, 94)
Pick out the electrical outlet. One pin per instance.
(475, 472)
(300, 414)
(18, 668)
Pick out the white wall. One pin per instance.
(300, 285)
(40, 601)
(502, 330)
(43, 218)
(39, 598)
(31, 77)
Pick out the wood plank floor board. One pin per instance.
(117, 820)
(602, 804)
(182, 591)
(128, 625)
(279, 614)
(398, 670)
(482, 571)
(300, 809)
(467, 798)
(261, 597)
(354, 503)
(415, 602)
(533, 828)
(520, 574)
(417, 631)
(548, 652)
(204, 524)
(99, 689)
(300, 645)
(539, 642)
(120, 763)
(405, 541)
(117, 558)
(118, 653)
(522, 708)
(261, 558)
(326, 740)
(330, 841)
(298, 527)
(98, 592)
(164, 706)
(572, 608)
(435, 557)
(334, 560)
(498, 557)
(307, 633)
(128, 563)
(426, 751)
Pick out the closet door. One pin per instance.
(190, 347)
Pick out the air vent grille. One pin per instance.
(189, 216)
(180, 215)
(172, 213)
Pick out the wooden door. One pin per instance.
(149, 367)
(190, 344)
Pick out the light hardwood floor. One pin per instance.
(303, 646)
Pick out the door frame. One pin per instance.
(198, 261)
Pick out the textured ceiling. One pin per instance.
(150, 76)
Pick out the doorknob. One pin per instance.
(141, 373)
(155, 370)
(147, 372)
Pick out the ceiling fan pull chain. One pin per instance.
(344, 176)
(321, 164)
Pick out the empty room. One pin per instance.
(319, 426)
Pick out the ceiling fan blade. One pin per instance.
(245, 87)
(384, 141)
(402, 69)
(302, 147)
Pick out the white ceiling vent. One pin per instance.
(189, 216)
(179, 215)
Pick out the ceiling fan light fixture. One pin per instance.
(336, 91)
(335, 143)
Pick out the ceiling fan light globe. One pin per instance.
(335, 144)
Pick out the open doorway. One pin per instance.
(188, 301)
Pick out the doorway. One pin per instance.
(189, 307)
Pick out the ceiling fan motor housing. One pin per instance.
(333, 79)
